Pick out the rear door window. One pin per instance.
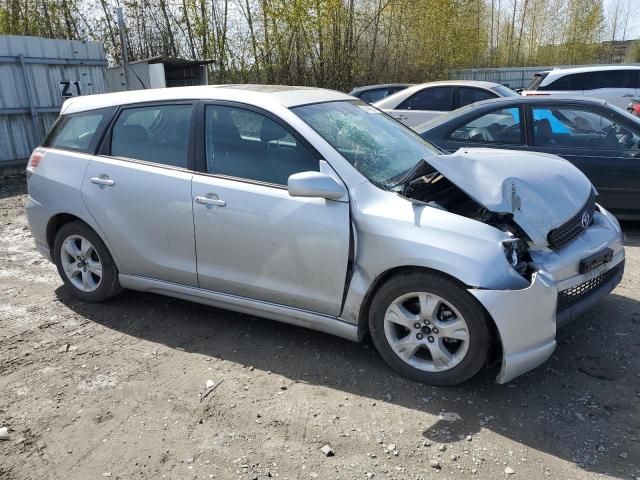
(156, 133)
(613, 79)
(78, 131)
(434, 98)
(468, 95)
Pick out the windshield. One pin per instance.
(505, 91)
(536, 81)
(379, 147)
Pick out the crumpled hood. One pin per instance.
(542, 191)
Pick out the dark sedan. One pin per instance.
(601, 140)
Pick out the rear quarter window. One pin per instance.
(371, 96)
(78, 131)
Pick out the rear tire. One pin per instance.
(84, 263)
(429, 328)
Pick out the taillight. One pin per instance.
(636, 109)
(35, 158)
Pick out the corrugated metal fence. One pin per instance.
(516, 77)
(36, 76)
(512, 77)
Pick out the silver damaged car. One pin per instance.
(310, 207)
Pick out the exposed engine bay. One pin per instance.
(426, 185)
(429, 186)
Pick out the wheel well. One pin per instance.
(363, 318)
(55, 224)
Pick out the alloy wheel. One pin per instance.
(81, 263)
(426, 331)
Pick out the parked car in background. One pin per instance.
(601, 140)
(311, 207)
(617, 84)
(419, 103)
(634, 107)
(373, 93)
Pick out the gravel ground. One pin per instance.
(117, 390)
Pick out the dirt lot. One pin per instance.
(114, 390)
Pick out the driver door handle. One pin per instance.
(210, 201)
(103, 181)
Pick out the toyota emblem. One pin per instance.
(586, 219)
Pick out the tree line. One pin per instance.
(336, 43)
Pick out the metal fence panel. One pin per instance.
(36, 76)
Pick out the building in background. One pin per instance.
(158, 72)
(618, 51)
(36, 76)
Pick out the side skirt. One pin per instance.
(293, 316)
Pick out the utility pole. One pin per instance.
(123, 46)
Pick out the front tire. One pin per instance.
(429, 328)
(84, 263)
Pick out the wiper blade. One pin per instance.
(419, 170)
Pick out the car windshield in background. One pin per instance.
(536, 81)
(376, 145)
(505, 91)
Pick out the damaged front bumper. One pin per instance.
(527, 319)
(526, 323)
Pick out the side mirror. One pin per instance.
(315, 184)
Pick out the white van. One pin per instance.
(616, 84)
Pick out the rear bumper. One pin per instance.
(37, 218)
(44, 251)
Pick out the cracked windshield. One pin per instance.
(376, 145)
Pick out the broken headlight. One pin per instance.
(516, 252)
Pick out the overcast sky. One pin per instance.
(633, 27)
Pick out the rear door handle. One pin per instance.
(106, 181)
(211, 201)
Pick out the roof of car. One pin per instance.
(533, 99)
(258, 95)
(592, 68)
(468, 83)
(364, 88)
(506, 102)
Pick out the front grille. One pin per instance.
(570, 230)
(571, 296)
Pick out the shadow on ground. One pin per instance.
(631, 232)
(583, 398)
(13, 186)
